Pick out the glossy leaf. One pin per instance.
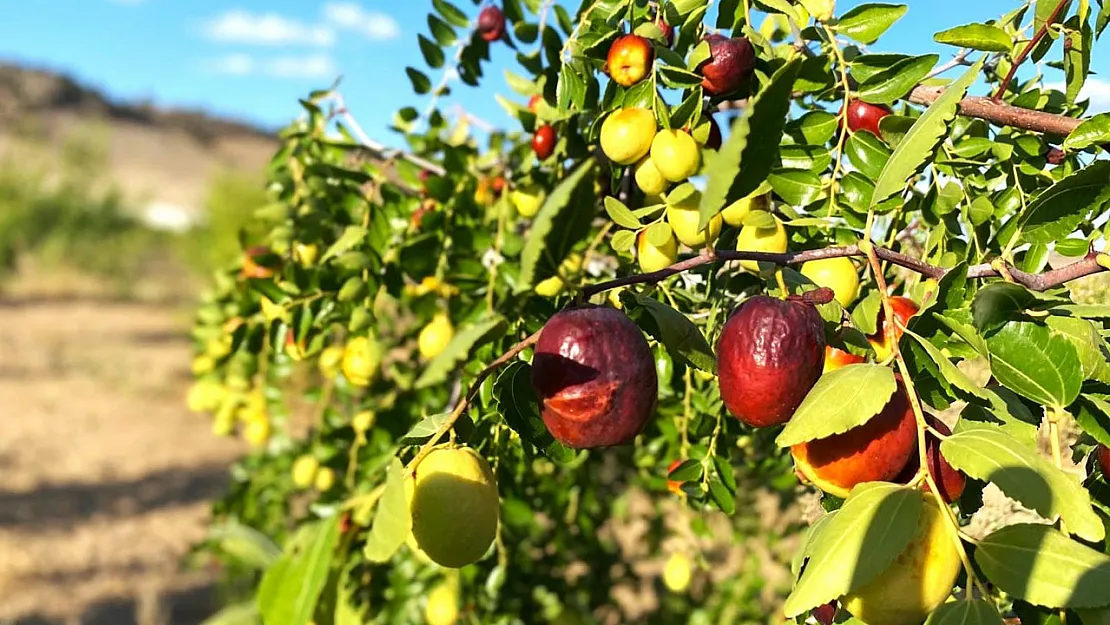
(1029, 359)
(1094, 130)
(966, 612)
(1056, 211)
(679, 335)
(897, 80)
(984, 37)
(841, 400)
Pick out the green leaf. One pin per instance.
(245, 613)
(420, 83)
(444, 34)
(518, 405)
(1085, 338)
(897, 80)
(809, 541)
(798, 187)
(922, 138)
(967, 612)
(245, 544)
(867, 22)
(744, 161)
(620, 213)
(984, 37)
(1093, 131)
(623, 240)
(1030, 360)
(998, 303)
(522, 85)
(957, 377)
(1077, 57)
(570, 92)
(812, 157)
(678, 78)
(865, 66)
(352, 236)
(392, 519)
(867, 153)
(841, 400)
(290, 588)
(433, 54)
(875, 524)
(813, 128)
(679, 335)
(451, 13)
(989, 454)
(658, 233)
(561, 222)
(1058, 210)
(424, 429)
(1093, 415)
(1040, 565)
(458, 351)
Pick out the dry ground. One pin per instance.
(105, 478)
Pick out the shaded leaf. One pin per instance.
(290, 588)
(561, 222)
(392, 519)
(967, 612)
(1058, 210)
(679, 335)
(1030, 360)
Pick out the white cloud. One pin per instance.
(370, 24)
(1095, 89)
(237, 26)
(316, 66)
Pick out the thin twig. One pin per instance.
(958, 60)
(1020, 58)
(378, 150)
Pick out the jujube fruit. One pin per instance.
(876, 451)
(1104, 460)
(825, 614)
(627, 134)
(594, 377)
(534, 102)
(455, 506)
(648, 177)
(677, 572)
(443, 605)
(756, 239)
(260, 262)
(435, 336)
(904, 308)
(735, 213)
(713, 141)
(325, 479)
(655, 257)
(491, 23)
(629, 59)
(685, 216)
(918, 581)
(361, 359)
(862, 115)
(304, 471)
(527, 200)
(950, 481)
(730, 63)
(769, 356)
(675, 154)
(666, 29)
(839, 274)
(835, 358)
(543, 142)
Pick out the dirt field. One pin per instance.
(106, 478)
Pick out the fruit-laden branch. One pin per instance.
(1000, 113)
(1033, 281)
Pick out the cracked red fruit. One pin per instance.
(491, 23)
(1104, 460)
(950, 481)
(770, 354)
(629, 60)
(730, 63)
(543, 142)
(594, 377)
(877, 451)
(865, 116)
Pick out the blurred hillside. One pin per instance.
(161, 160)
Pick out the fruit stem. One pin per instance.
(918, 413)
(781, 281)
(1037, 36)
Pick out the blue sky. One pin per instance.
(251, 59)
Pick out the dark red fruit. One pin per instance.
(770, 354)
(1055, 156)
(950, 481)
(594, 377)
(668, 30)
(543, 142)
(865, 116)
(825, 614)
(491, 23)
(1104, 460)
(713, 142)
(730, 63)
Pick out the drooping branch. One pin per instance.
(1000, 113)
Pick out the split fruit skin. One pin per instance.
(543, 142)
(629, 59)
(491, 23)
(865, 116)
(627, 135)
(594, 377)
(836, 358)
(730, 63)
(904, 308)
(1104, 460)
(769, 356)
(918, 581)
(876, 451)
(950, 481)
(455, 506)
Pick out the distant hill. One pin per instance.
(157, 156)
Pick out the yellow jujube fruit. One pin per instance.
(443, 605)
(685, 216)
(677, 572)
(305, 253)
(202, 364)
(755, 239)
(361, 359)
(654, 258)
(918, 581)
(435, 336)
(649, 178)
(527, 200)
(735, 213)
(552, 286)
(675, 154)
(304, 471)
(626, 135)
(331, 359)
(257, 432)
(363, 421)
(325, 479)
(455, 506)
(839, 274)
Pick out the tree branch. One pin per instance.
(1000, 113)
(1020, 58)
